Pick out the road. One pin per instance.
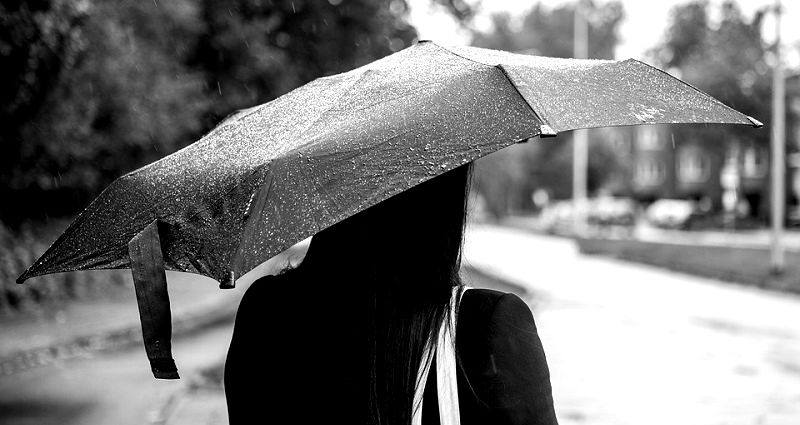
(627, 345)
(631, 344)
(112, 388)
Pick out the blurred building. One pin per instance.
(677, 162)
(696, 163)
(793, 134)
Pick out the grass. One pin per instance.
(747, 266)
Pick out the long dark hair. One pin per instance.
(401, 258)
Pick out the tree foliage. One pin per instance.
(37, 40)
(124, 98)
(549, 32)
(727, 58)
(95, 89)
(254, 51)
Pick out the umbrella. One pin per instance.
(272, 175)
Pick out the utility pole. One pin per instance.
(580, 137)
(778, 151)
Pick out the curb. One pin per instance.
(638, 252)
(118, 338)
(607, 247)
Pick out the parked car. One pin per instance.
(602, 212)
(612, 211)
(673, 213)
(556, 217)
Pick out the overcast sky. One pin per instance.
(643, 26)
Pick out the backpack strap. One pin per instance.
(446, 378)
(150, 282)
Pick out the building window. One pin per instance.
(650, 172)
(647, 138)
(619, 142)
(755, 162)
(693, 166)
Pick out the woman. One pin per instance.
(340, 338)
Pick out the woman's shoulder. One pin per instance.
(271, 286)
(490, 300)
(273, 279)
(489, 309)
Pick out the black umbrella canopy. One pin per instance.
(270, 176)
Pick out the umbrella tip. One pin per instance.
(23, 277)
(756, 123)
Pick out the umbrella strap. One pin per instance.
(150, 282)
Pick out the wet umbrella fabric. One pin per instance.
(270, 176)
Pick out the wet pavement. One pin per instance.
(626, 344)
(633, 344)
(111, 388)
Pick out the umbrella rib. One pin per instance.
(237, 255)
(753, 122)
(72, 228)
(539, 119)
(152, 209)
(324, 113)
(400, 96)
(542, 123)
(224, 195)
(246, 112)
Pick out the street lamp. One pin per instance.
(778, 141)
(580, 137)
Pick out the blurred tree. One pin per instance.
(549, 32)
(545, 163)
(37, 40)
(727, 59)
(97, 89)
(255, 51)
(686, 34)
(115, 96)
(462, 10)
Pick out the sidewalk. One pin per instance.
(741, 257)
(741, 238)
(633, 344)
(676, 329)
(78, 329)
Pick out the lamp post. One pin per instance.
(580, 137)
(778, 141)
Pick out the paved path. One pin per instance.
(631, 344)
(627, 344)
(115, 386)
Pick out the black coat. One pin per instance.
(274, 372)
